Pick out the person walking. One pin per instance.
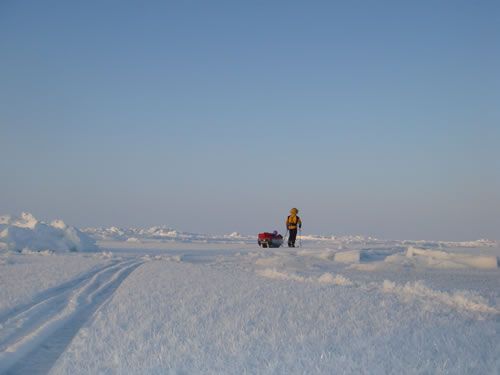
(293, 223)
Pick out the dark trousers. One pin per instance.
(292, 237)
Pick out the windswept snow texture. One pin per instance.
(290, 312)
(25, 233)
(221, 305)
(25, 277)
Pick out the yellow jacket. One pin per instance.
(292, 222)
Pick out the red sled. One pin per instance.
(270, 239)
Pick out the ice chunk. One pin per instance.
(25, 233)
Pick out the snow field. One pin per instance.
(175, 302)
(464, 301)
(412, 257)
(326, 278)
(26, 277)
(277, 312)
(34, 335)
(442, 259)
(304, 267)
(164, 234)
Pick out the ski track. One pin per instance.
(51, 292)
(33, 336)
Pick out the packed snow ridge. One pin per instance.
(25, 233)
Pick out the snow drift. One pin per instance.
(373, 260)
(26, 233)
(441, 259)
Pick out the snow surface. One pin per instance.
(29, 234)
(26, 277)
(161, 233)
(194, 303)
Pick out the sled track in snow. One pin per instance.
(52, 292)
(33, 336)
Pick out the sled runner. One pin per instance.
(267, 239)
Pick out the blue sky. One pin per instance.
(379, 118)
